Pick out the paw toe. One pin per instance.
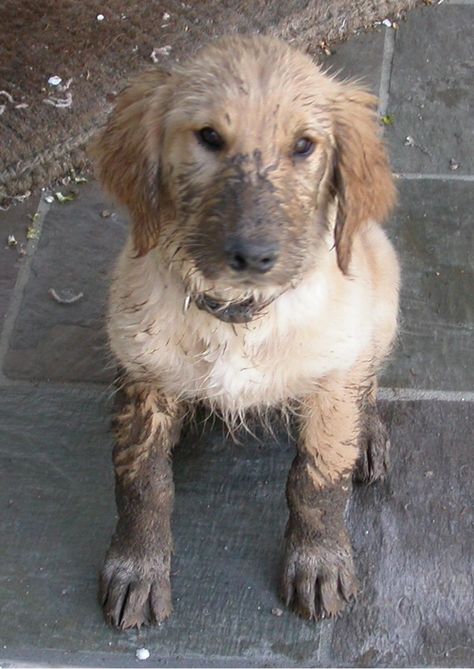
(131, 601)
(317, 586)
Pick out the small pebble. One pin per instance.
(54, 81)
(277, 612)
(100, 17)
(142, 654)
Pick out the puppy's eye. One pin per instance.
(303, 147)
(210, 138)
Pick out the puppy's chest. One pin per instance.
(237, 368)
(305, 335)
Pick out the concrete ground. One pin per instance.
(413, 534)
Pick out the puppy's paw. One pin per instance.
(134, 592)
(318, 581)
(373, 462)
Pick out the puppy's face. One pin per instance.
(235, 162)
(247, 157)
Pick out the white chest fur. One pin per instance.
(305, 334)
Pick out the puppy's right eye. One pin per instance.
(210, 138)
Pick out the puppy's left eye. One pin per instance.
(303, 147)
(210, 138)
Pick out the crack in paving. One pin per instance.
(21, 282)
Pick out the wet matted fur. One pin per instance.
(256, 275)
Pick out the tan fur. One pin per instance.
(368, 191)
(330, 302)
(127, 157)
(327, 323)
(330, 429)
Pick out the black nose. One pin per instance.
(249, 256)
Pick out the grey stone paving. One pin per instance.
(413, 535)
(434, 234)
(432, 92)
(58, 342)
(360, 58)
(15, 223)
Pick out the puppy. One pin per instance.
(256, 275)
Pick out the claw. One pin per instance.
(320, 581)
(131, 600)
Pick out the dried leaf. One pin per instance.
(59, 103)
(387, 119)
(160, 51)
(32, 232)
(65, 198)
(65, 296)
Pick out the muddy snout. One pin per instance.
(243, 236)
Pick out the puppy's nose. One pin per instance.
(248, 256)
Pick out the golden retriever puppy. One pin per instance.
(256, 275)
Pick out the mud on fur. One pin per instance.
(256, 275)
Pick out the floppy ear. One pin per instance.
(127, 154)
(362, 177)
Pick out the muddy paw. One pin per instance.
(318, 582)
(134, 593)
(373, 461)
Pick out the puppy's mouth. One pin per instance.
(242, 311)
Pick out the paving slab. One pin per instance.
(52, 341)
(359, 58)
(433, 232)
(431, 91)
(14, 221)
(414, 540)
(57, 500)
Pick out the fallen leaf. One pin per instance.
(387, 119)
(65, 198)
(32, 232)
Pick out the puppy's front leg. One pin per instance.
(135, 579)
(318, 572)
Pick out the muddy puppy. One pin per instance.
(256, 275)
